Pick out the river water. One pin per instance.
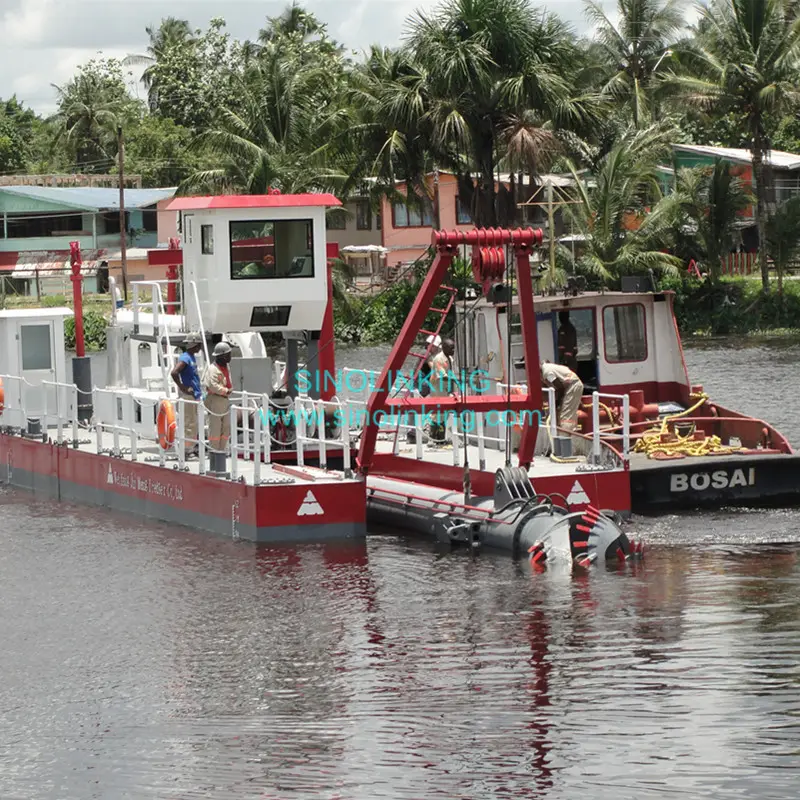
(144, 661)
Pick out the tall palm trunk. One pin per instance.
(759, 147)
(486, 213)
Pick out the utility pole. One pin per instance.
(123, 233)
(551, 228)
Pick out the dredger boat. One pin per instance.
(648, 440)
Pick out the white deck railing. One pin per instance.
(598, 434)
(307, 410)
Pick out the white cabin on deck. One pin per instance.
(258, 262)
(31, 353)
(626, 341)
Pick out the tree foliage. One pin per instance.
(480, 88)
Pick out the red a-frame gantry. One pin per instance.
(488, 261)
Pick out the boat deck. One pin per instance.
(542, 466)
(640, 462)
(244, 470)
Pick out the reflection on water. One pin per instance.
(144, 661)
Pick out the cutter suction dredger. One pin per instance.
(515, 519)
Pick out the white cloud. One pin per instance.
(45, 40)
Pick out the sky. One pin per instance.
(45, 40)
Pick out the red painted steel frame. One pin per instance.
(447, 243)
(76, 262)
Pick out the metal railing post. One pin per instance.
(233, 443)
(481, 440)
(323, 448)
(626, 427)
(551, 402)
(456, 441)
(300, 431)
(44, 410)
(596, 427)
(346, 443)
(257, 449)
(115, 431)
(60, 417)
(245, 426)
(200, 410)
(419, 433)
(265, 427)
(75, 415)
(181, 437)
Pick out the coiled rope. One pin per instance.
(661, 444)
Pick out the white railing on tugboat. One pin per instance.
(597, 434)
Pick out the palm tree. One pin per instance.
(172, 33)
(701, 214)
(281, 134)
(90, 109)
(294, 20)
(609, 209)
(745, 59)
(783, 236)
(388, 97)
(630, 51)
(491, 68)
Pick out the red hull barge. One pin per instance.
(310, 506)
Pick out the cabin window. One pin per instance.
(624, 333)
(270, 316)
(207, 240)
(35, 347)
(263, 249)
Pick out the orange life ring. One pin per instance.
(166, 424)
(2, 397)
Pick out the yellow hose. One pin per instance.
(652, 446)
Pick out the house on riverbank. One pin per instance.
(39, 222)
(785, 183)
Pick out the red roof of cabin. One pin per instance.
(253, 201)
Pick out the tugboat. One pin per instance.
(647, 440)
(252, 265)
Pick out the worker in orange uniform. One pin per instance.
(218, 387)
(569, 390)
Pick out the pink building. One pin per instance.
(406, 232)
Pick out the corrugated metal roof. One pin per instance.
(48, 263)
(253, 201)
(775, 158)
(90, 198)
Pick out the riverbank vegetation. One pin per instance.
(478, 88)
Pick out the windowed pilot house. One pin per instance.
(256, 262)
